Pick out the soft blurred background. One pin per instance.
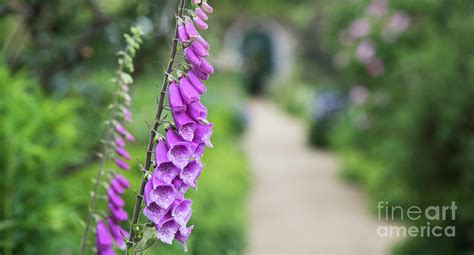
(321, 108)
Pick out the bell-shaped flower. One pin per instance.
(118, 233)
(167, 230)
(116, 186)
(120, 163)
(201, 75)
(196, 82)
(114, 198)
(165, 170)
(155, 213)
(121, 130)
(206, 7)
(183, 234)
(206, 67)
(175, 99)
(127, 115)
(122, 181)
(123, 153)
(191, 29)
(199, 149)
(117, 213)
(198, 112)
(199, 50)
(185, 124)
(181, 211)
(182, 34)
(191, 56)
(188, 93)
(191, 172)
(200, 23)
(201, 14)
(203, 133)
(163, 194)
(179, 151)
(104, 240)
(119, 141)
(203, 42)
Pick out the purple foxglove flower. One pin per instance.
(201, 14)
(190, 173)
(182, 35)
(206, 67)
(118, 233)
(147, 191)
(129, 137)
(181, 211)
(206, 7)
(165, 170)
(123, 152)
(155, 213)
(104, 240)
(180, 151)
(174, 96)
(199, 149)
(118, 188)
(198, 112)
(121, 164)
(198, 49)
(127, 115)
(191, 29)
(167, 231)
(200, 23)
(185, 124)
(114, 198)
(187, 90)
(200, 74)
(196, 1)
(121, 129)
(196, 82)
(180, 185)
(191, 56)
(122, 181)
(203, 133)
(117, 213)
(119, 141)
(163, 194)
(203, 42)
(183, 234)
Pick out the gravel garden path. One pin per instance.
(298, 203)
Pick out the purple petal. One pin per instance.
(174, 96)
(191, 57)
(167, 231)
(197, 111)
(154, 213)
(161, 152)
(206, 7)
(117, 233)
(191, 29)
(206, 67)
(182, 211)
(118, 188)
(196, 82)
(199, 50)
(186, 125)
(188, 93)
(164, 195)
(148, 190)
(200, 74)
(180, 151)
(120, 163)
(122, 181)
(119, 141)
(123, 152)
(114, 198)
(203, 42)
(196, 1)
(182, 34)
(127, 115)
(104, 240)
(203, 133)
(180, 185)
(201, 14)
(166, 172)
(117, 213)
(190, 173)
(199, 149)
(183, 234)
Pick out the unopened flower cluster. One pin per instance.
(178, 154)
(358, 40)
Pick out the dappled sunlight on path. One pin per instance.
(298, 204)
